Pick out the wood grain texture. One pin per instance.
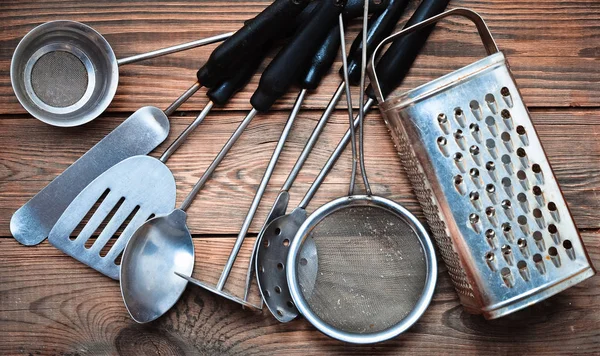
(570, 139)
(552, 46)
(52, 304)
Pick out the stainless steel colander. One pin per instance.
(483, 180)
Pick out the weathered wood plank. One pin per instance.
(552, 46)
(68, 308)
(32, 155)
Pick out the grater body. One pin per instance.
(487, 189)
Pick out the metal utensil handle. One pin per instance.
(261, 189)
(482, 29)
(332, 159)
(174, 49)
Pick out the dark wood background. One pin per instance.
(51, 304)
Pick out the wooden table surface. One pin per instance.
(51, 304)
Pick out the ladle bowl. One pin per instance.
(156, 251)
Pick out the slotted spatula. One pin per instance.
(135, 189)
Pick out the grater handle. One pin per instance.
(484, 33)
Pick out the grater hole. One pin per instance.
(521, 152)
(521, 130)
(552, 207)
(505, 114)
(474, 150)
(458, 156)
(552, 251)
(521, 264)
(567, 244)
(505, 136)
(521, 175)
(490, 143)
(537, 258)
(504, 91)
(522, 243)
(506, 159)
(442, 119)
(474, 172)
(489, 98)
(537, 213)
(536, 168)
(490, 188)
(474, 196)
(506, 250)
(490, 166)
(490, 211)
(459, 184)
(552, 229)
(507, 277)
(522, 198)
(474, 128)
(459, 116)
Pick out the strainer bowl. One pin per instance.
(64, 73)
(305, 273)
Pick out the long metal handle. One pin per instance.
(482, 29)
(174, 49)
(208, 173)
(182, 99)
(314, 137)
(261, 189)
(184, 135)
(332, 159)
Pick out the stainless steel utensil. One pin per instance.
(64, 73)
(138, 188)
(161, 251)
(139, 134)
(484, 182)
(376, 269)
(275, 81)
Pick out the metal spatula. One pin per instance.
(136, 189)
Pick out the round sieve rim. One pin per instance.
(64, 117)
(362, 200)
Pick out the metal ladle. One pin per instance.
(65, 73)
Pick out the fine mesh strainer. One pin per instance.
(361, 268)
(64, 73)
(485, 185)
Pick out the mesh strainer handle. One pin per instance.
(484, 33)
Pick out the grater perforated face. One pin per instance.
(485, 183)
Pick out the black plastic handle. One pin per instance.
(321, 62)
(221, 93)
(354, 8)
(274, 19)
(399, 57)
(293, 58)
(326, 54)
(379, 28)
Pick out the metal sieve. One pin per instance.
(64, 73)
(361, 268)
(484, 182)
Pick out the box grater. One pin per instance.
(485, 185)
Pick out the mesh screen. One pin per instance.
(370, 269)
(59, 79)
